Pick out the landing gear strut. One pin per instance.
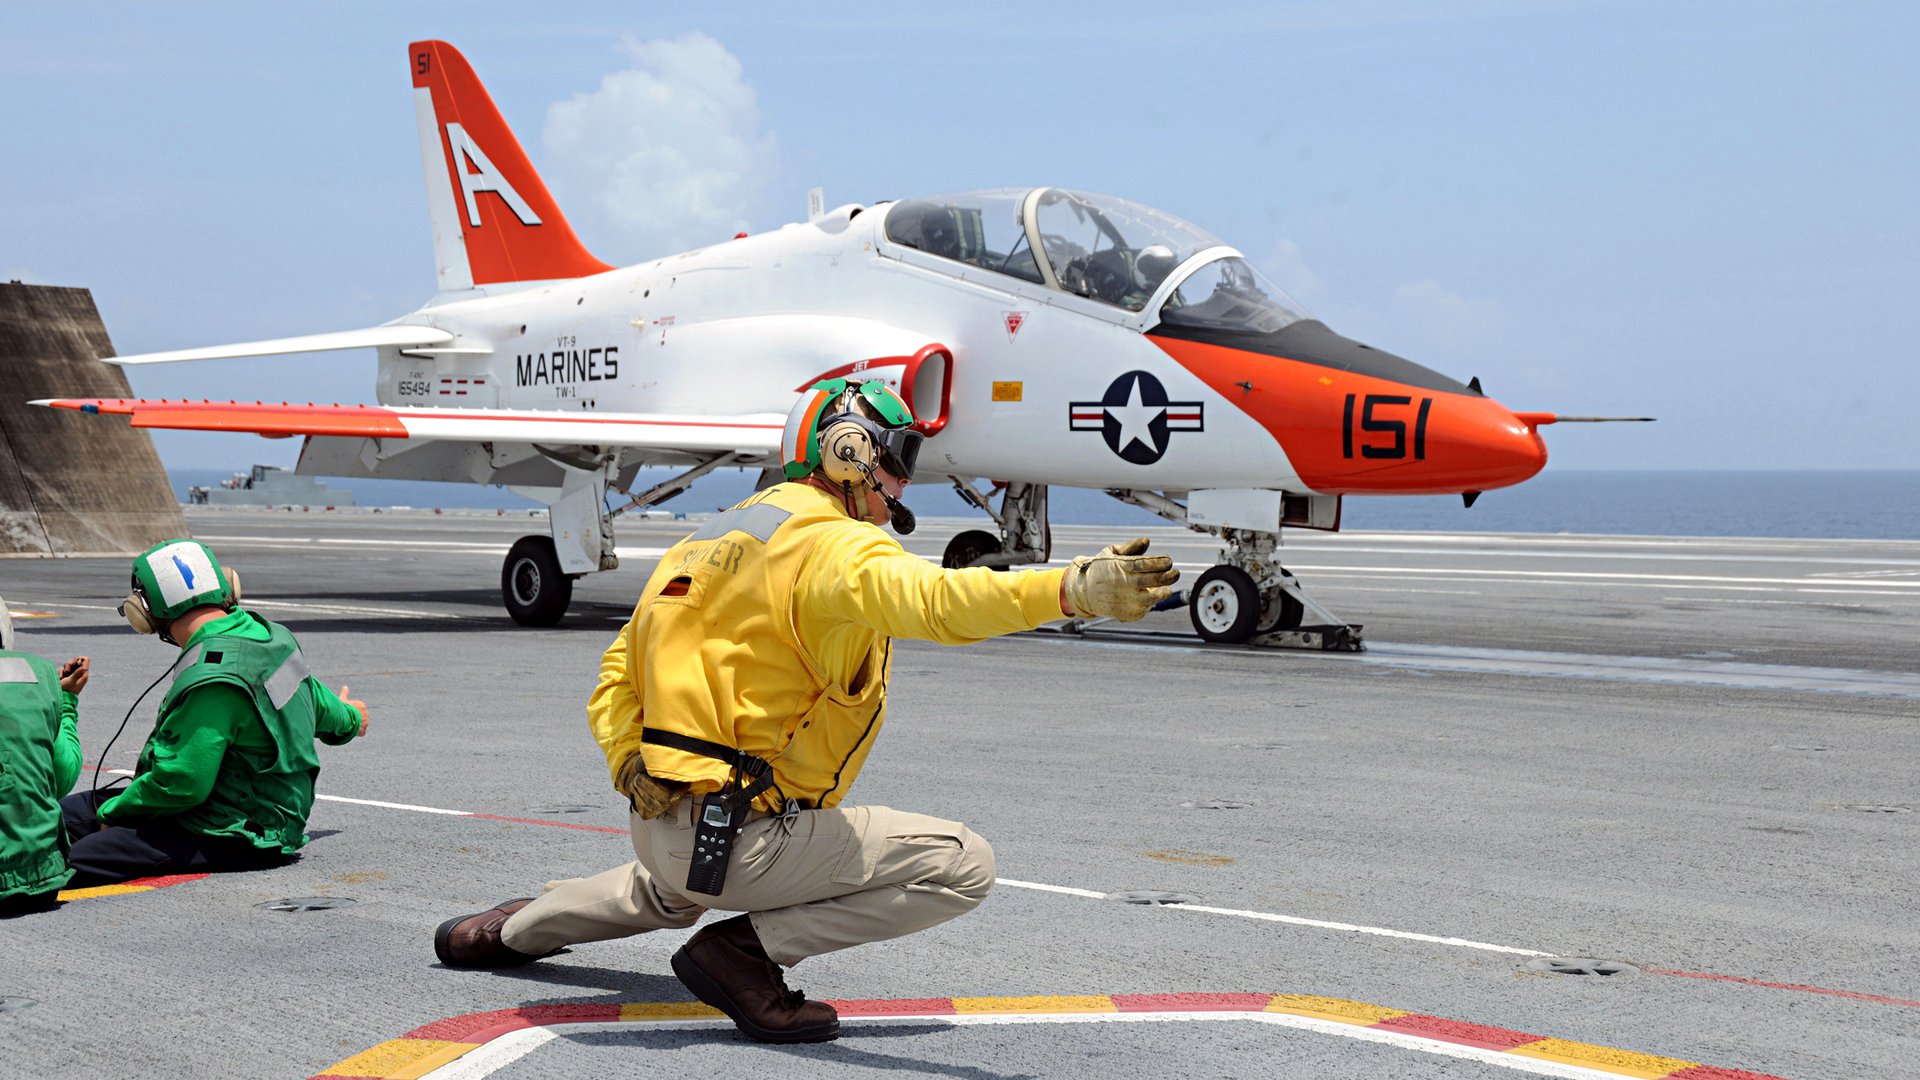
(1022, 524)
(536, 581)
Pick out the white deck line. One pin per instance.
(1291, 920)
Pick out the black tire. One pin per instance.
(1225, 605)
(1285, 613)
(532, 586)
(965, 547)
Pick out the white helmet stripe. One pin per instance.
(183, 572)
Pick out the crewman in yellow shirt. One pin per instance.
(740, 701)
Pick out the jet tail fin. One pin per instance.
(493, 219)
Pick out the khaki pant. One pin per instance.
(826, 880)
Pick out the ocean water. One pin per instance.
(1855, 504)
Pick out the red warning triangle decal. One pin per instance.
(1014, 320)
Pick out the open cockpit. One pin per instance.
(1109, 250)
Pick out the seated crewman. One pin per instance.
(225, 781)
(39, 760)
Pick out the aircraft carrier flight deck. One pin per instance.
(1585, 806)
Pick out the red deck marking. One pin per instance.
(553, 824)
(1802, 987)
(1715, 1072)
(466, 1028)
(1458, 1031)
(166, 880)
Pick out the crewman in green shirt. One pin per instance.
(225, 781)
(39, 760)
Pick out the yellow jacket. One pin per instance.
(770, 629)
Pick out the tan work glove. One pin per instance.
(650, 798)
(1123, 581)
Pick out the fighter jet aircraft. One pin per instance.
(1042, 337)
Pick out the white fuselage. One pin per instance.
(741, 326)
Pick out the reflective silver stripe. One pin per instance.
(285, 682)
(14, 669)
(186, 661)
(758, 521)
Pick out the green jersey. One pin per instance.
(39, 761)
(232, 752)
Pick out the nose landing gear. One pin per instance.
(1250, 598)
(1227, 606)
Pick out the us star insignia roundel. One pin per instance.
(1135, 417)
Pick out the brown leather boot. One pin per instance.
(725, 967)
(473, 941)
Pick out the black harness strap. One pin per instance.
(759, 769)
(720, 815)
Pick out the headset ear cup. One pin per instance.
(846, 453)
(233, 582)
(135, 612)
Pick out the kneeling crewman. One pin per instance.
(39, 761)
(225, 782)
(740, 702)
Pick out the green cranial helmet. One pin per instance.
(176, 576)
(872, 400)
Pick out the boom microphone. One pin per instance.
(903, 521)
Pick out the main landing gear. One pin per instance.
(536, 580)
(1023, 535)
(1248, 598)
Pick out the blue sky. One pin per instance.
(1706, 212)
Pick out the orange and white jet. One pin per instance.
(1042, 336)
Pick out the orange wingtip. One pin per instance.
(260, 418)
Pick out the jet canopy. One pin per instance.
(1106, 249)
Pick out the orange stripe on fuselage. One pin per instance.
(1466, 442)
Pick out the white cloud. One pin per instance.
(666, 155)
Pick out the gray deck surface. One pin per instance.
(1640, 749)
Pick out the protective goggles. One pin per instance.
(898, 448)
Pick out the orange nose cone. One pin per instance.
(1475, 444)
(1523, 452)
(1498, 449)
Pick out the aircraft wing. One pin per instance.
(757, 433)
(371, 337)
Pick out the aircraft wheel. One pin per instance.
(532, 586)
(1280, 612)
(1225, 605)
(965, 547)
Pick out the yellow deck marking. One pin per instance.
(102, 890)
(1326, 1008)
(668, 1010)
(392, 1055)
(1091, 1003)
(1604, 1058)
(427, 1063)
